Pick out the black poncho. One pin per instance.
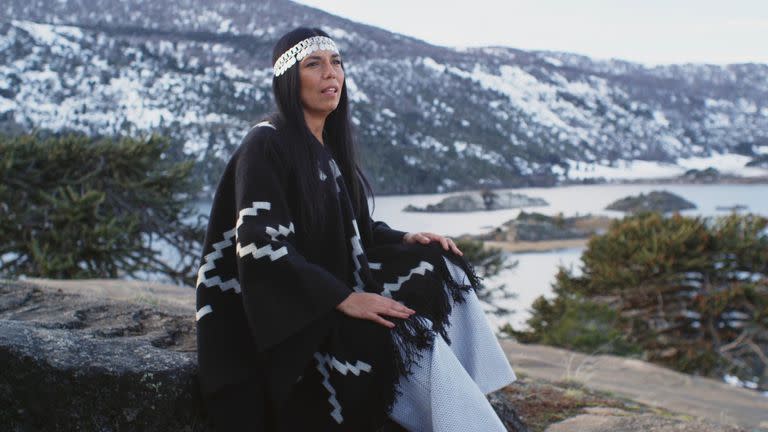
(267, 297)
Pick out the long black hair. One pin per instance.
(337, 137)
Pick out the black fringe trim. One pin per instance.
(415, 334)
(454, 288)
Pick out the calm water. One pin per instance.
(569, 200)
(535, 272)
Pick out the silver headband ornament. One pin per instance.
(302, 49)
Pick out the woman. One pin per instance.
(311, 316)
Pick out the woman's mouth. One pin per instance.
(330, 90)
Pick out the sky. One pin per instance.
(645, 31)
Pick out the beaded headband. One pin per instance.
(302, 49)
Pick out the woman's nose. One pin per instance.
(328, 70)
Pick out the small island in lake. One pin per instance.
(655, 201)
(479, 201)
(539, 232)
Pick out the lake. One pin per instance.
(535, 271)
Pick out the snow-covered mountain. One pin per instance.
(428, 118)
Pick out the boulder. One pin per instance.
(76, 355)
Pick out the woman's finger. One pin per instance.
(403, 307)
(402, 310)
(444, 242)
(455, 248)
(396, 306)
(398, 314)
(383, 322)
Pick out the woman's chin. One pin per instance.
(332, 107)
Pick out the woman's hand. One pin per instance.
(426, 237)
(371, 305)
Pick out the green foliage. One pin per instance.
(487, 262)
(573, 322)
(692, 293)
(75, 207)
(644, 251)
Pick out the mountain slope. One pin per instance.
(428, 118)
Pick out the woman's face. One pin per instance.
(322, 79)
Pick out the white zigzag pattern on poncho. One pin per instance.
(210, 265)
(356, 243)
(357, 251)
(266, 250)
(336, 173)
(324, 360)
(421, 269)
(210, 259)
(205, 310)
(322, 174)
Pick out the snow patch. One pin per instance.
(553, 61)
(717, 103)
(660, 118)
(732, 164)
(622, 170)
(50, 34)
(535, 98)
(225, 26)
(432, 64)
(340, 34)
(6, 105)
(411, 160)
(430, 143)
(735, 381)
(729, 163)
(671, 144)
(465, 149)
(353, 91)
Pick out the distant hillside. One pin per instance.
(428, 118)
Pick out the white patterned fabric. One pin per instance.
(302, 49)
(447, 390)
